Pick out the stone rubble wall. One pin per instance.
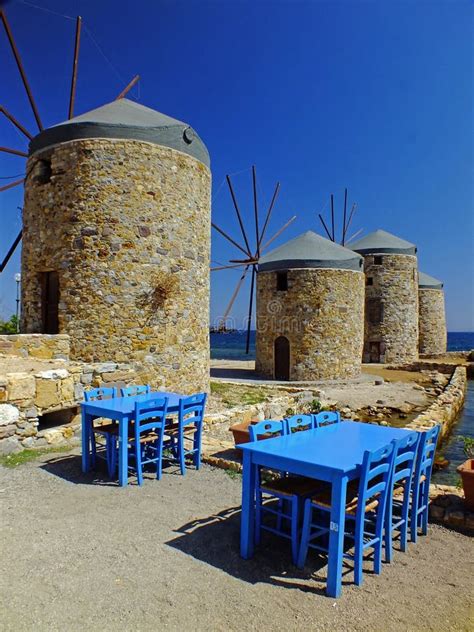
(321, 314)
(39, 346)
(395, 285)
(432, 321)
(126, 225)
(447, 507)
(25, 397)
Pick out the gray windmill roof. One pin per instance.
(310, 250)
(382, 242)
(125, 119)
(425, 281)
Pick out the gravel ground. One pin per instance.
(79, 553)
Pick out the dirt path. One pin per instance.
(79, 554)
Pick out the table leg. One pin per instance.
(247, 525)
(336, 536)
(85, 440)
(123, 452)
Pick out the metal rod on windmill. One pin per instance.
(16, 152)
(255, 207)
(344, 217)
(77, 43)
(237, 210)
(128, 87)
(5, 187)
(278, 233)
(349, 220)
(16, 123)
(324, 225)
(19, 64)
(11, 250)
(270, 209)
(332, 217)
(249, 323)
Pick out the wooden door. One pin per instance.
(50, 302)
(375, 351)
(282, 358)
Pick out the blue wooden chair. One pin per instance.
(297, 423)
(188, 431)
(421, 482)
(109, 431)
(398, 498)
(133, 391)
(365, 512)
(146, 441)
(286, 489)
(326, 418)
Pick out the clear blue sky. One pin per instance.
(376, 96)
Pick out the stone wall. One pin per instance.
(25, 397)
(432, 321)
(126, 225)
(321, 314)
(446, 407)
(42, 346)
(391, 312)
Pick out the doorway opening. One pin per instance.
(282, 358)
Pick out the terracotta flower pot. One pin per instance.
(466, 470)
(241, 431)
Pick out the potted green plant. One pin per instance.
(466, 470)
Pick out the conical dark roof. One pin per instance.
(310, 250)
(425, 281)
(125, 119)
(380, 241)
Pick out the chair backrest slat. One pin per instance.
(267, 429)
(377, 467)
(135, 389)
(191, 409)
(326, 418)
(297, 423)
(99, 394)
(150, 414)
(405, 458)
(425, 455)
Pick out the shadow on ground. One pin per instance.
(215, 540)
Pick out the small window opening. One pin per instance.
(43, 172)
(369, 281)
(282, 281)
(57, 418)
(377, 260)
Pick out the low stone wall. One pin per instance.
(40, 346)
(445, 409)
(26, 397)
(447, 507)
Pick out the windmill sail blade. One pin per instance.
(238, 265)
(16, 152)
(354, 236)
(249, 322)
(234, 296)
(324, 224)
(255, 208)
(278, 233)
(128, 87)
(332, 217)
(344, 217)
(19, 64)
(11, 185)
(224, 234)
(16, 123)
(237, 210)
(350, 219)
(77, 43)
(269, 212)
(11, 251)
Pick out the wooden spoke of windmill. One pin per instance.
(26, 85)
(252, 255)
(346, 221)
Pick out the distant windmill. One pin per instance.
(21, 128)
(346, 222)
(252, 255)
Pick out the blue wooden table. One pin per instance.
(121, 409)
(333, 454)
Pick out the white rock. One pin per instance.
(8, 414)
(53, 374)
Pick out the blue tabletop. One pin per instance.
(126, 405)
(338, 447)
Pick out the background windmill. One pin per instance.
(252, 253)
(346, 222)
(21, 128)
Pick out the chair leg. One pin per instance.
(414, 515)
(359, 553)
(305, 533)
(388, 532)
(197, 447)
(159, 462)
(138, 462)
(404, 525)
(280, 509)
(182, 463)
(109, 450)
(93, 445)
(258, 518)
(377, 557)
(294, 529)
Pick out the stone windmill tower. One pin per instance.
(432, 317)
(310, 305)
(116, 240)
(391, 298)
